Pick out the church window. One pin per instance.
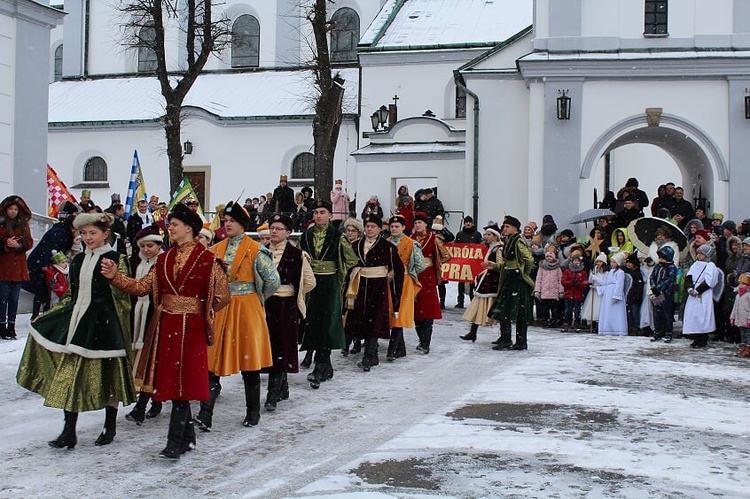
(95, 170)
(460, 103)
(655, 19)
(245, 42)
(303, 166)
(344, 35)
(58, 62)
(147, 62)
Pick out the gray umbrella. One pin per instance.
(591, 214)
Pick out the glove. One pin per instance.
(576, 282)
(538, 295)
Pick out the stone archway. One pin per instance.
(696, 155)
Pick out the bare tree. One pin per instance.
(328, 113)
(205, 32)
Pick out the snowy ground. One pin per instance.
(577, 415)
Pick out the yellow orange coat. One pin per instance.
(241, 333)
(411, 285)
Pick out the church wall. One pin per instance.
(248, 156)
(7, 103)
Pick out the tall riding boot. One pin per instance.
(284, 390)
(419, 328)
(504, 342)
(10, 333)
(390, 354)
(3, 331)
(370, 345)
(188, 437)
(426, 336)
(327, 370)
(472, 334)
(177, 429)
(205, 416)
(68, 436)
(252, 397)
(274, 388)
(155, 409)
(110, 426)
(307, 361)
(521, 338)
(316, 375)
(357, 346)
(138, 414)
(400, 344)
(348, 340)
(374, 360)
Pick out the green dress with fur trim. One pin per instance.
(78, 356)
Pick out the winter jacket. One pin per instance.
(741, 310)
(470, 236)
(548, 282)
(575, 284)
(663, 279)
(742, 267)
(340, 204)
(635, 294)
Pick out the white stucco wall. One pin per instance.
(249, 157)
(7, 102)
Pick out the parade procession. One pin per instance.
(325, 248)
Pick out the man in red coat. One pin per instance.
(189, 285)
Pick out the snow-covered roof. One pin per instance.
(261, 94)
(421, 23)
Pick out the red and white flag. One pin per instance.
(57, 193)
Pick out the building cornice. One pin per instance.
(422, 56)
(32, 12)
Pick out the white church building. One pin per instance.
(507, 106)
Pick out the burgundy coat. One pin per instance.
(13, 260)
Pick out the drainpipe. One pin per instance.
(475, 187)
(86, 40)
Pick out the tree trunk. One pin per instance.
(172, 126)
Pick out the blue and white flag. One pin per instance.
(136, 187)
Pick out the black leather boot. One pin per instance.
(390, 354)
(138, 414)
(204, 419)
(504, 342)
(374, 360)
(10, 332)
(521, 338)
(472, 334)
(307, 361)
(327, 370)
(176, 445)
(400, 344)
(284, 390)
(356, 346)
(188, 438)
(155, 409)
(110, 427)
(366, 363)
(252, 397)
(425, 336)
(315, 377)
(274, 389)
(68, 437)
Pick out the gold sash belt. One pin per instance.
(285, 291)
(323, 267)
(428, 262)
(173, 304)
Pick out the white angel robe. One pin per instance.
(699, 310)
(613, 318)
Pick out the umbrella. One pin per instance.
(592, 214)
(642, 232)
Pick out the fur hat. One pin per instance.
(494, 229)
(186, 216)
(373, 219)
(238, 213)
(101, 219)
(263, 230)
(150, 233)
(437, 223)
(115, 197)
(619, 258)
(353, 222)
(509, 220)
(282, 219)
(322, 203)
(206, 231)
(420, 215)
(397, 219)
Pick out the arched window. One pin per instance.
(58, 62)
(95, 170)
(344, 35)
(303, 166)
(245, 42)
(147, 62)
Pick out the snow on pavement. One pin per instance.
(577, 415)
